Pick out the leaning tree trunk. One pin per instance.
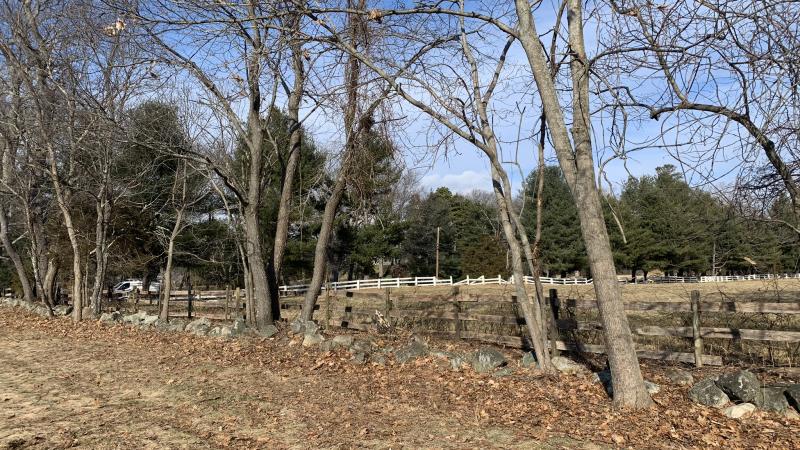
(77, 270)
(27, 291)
(533, 317)
(321, 249)
(578, 168)
(49, 284)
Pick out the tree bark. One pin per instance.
(578, 168)
(166, 285)
(22, 275)
(103, 209)
(321, 249)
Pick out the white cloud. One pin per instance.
(461, 183)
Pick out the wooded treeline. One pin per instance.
(156, 133)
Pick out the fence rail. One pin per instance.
(381, 283)
(454, 308)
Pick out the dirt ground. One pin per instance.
(64, 385)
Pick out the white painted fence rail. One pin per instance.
(380, 283)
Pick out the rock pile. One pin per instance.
(747, 392)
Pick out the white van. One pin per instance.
(128, 286)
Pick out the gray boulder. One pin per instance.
(774, 399)
(529, 360)
(679, 377)
(503, 372)
(742, 386)
(359, 358)
(739, 411)
(567, 366)
(342, 340)
(268, 331)
(486, 360)
(362, 345)
(148, 321)
(300, 326)
(60, 310)
(134, 319)
(69, 310)
(172, 325)
(604, 378)
(112, 317)
(199, 327)
(312, 339)
(222, 331)
(792, 394)
(414, 350)
(87, 312)
(706, 392)
(238, 326)
(457, 362)
(378, 359)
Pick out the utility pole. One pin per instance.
(437, 252)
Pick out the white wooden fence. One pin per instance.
(381, 283)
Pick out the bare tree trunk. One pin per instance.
(166, 287)
(100, 250)
(321, 249)
(578, 167)
(77, 270)
(49, 284)
(27, 291)
(285, 202)
(352, 75)
(533, 317)
(293, 113)
(509, 219)
(537, 241)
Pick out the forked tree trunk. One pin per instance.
(578, 167)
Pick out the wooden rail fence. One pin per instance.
(396, 308)
(460, 308)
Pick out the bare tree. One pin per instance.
(724, 73)
(191, 36)
(185, 196)
(466, 119)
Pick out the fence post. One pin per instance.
(555, 307)
(227, 300)
(238, 301)
(457, 310)
(328, 313)
(698, 339)
(189, 297)
(387, 307)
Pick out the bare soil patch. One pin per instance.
(90, 386)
